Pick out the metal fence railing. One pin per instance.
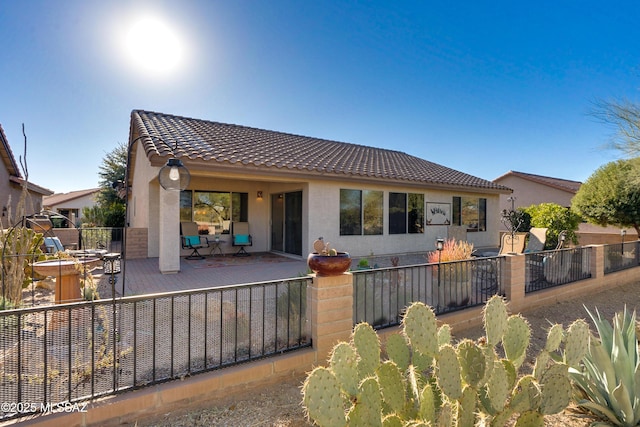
(547, 269)
(381, 295)
(74, 352)
(107, 238)
(620, 256)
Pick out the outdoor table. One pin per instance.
(215, 246)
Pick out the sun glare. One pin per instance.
(153, 47)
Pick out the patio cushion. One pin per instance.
(192, 240)
(241, 239)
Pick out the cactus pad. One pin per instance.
(576, 342)
(448, 372)
(472, 362)
(526, 396)
(444, 334)
(367, 345)
(556, 388)
(367, 411)
(420, 327)
(495, 319)
(516, 339)
(392, 421)
(427, 411)
(554, 337)
(321, 398)
(530, 419)
(498, 387)
(398, 351)
(392, 386)
(344, 364)
(466, 408)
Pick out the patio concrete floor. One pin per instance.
(142, 276)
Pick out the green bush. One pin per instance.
(556, 219)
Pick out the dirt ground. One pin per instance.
(279, 405)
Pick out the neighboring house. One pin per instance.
(530, 189)
(11, 185)
(293, 189)
(71, 204)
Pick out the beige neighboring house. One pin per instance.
(71, 204)
(293, 189)
(530, 189)
(11, 185)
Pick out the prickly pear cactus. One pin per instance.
(429, 380)
(321, 398)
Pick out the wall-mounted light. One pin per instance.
(259, 195)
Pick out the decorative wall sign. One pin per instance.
(438, 213)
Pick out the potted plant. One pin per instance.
(452, 278)
(326, 261)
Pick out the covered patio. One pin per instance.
(142, 275)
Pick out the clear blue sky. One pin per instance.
(482, 87)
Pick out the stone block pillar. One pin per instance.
(597, 261)
(331, 312)
(513, 279)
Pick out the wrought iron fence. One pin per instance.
(74, 352)
(620, 256)
(107, 238)
(381, 295)
(547, 269)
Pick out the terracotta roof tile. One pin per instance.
(559, 183)
(234, 144)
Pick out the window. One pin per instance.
(470, 211)
(213, 210)
(360, 212)
(406, 214)
(416, 213)
(397, 213)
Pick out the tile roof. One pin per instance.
(559, 183)
(243, 146)
(58, 198)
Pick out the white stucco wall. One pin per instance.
(320, 216)
(324, 220)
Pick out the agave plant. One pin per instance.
(609, 384)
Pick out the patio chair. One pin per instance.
(537, 240)
(53, 245)
(512, 243)
(240, 237)
(508, 245)
(191, 240)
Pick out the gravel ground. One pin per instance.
(279, 405)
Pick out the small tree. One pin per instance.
(611, 196)
(111, 211)
(555, 218)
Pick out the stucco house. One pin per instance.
(293, 189)
(71, 204)
(530, 189)
(11, 185)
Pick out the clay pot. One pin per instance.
(329, 265)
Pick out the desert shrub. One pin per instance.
(608, 385)
(452, 250)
